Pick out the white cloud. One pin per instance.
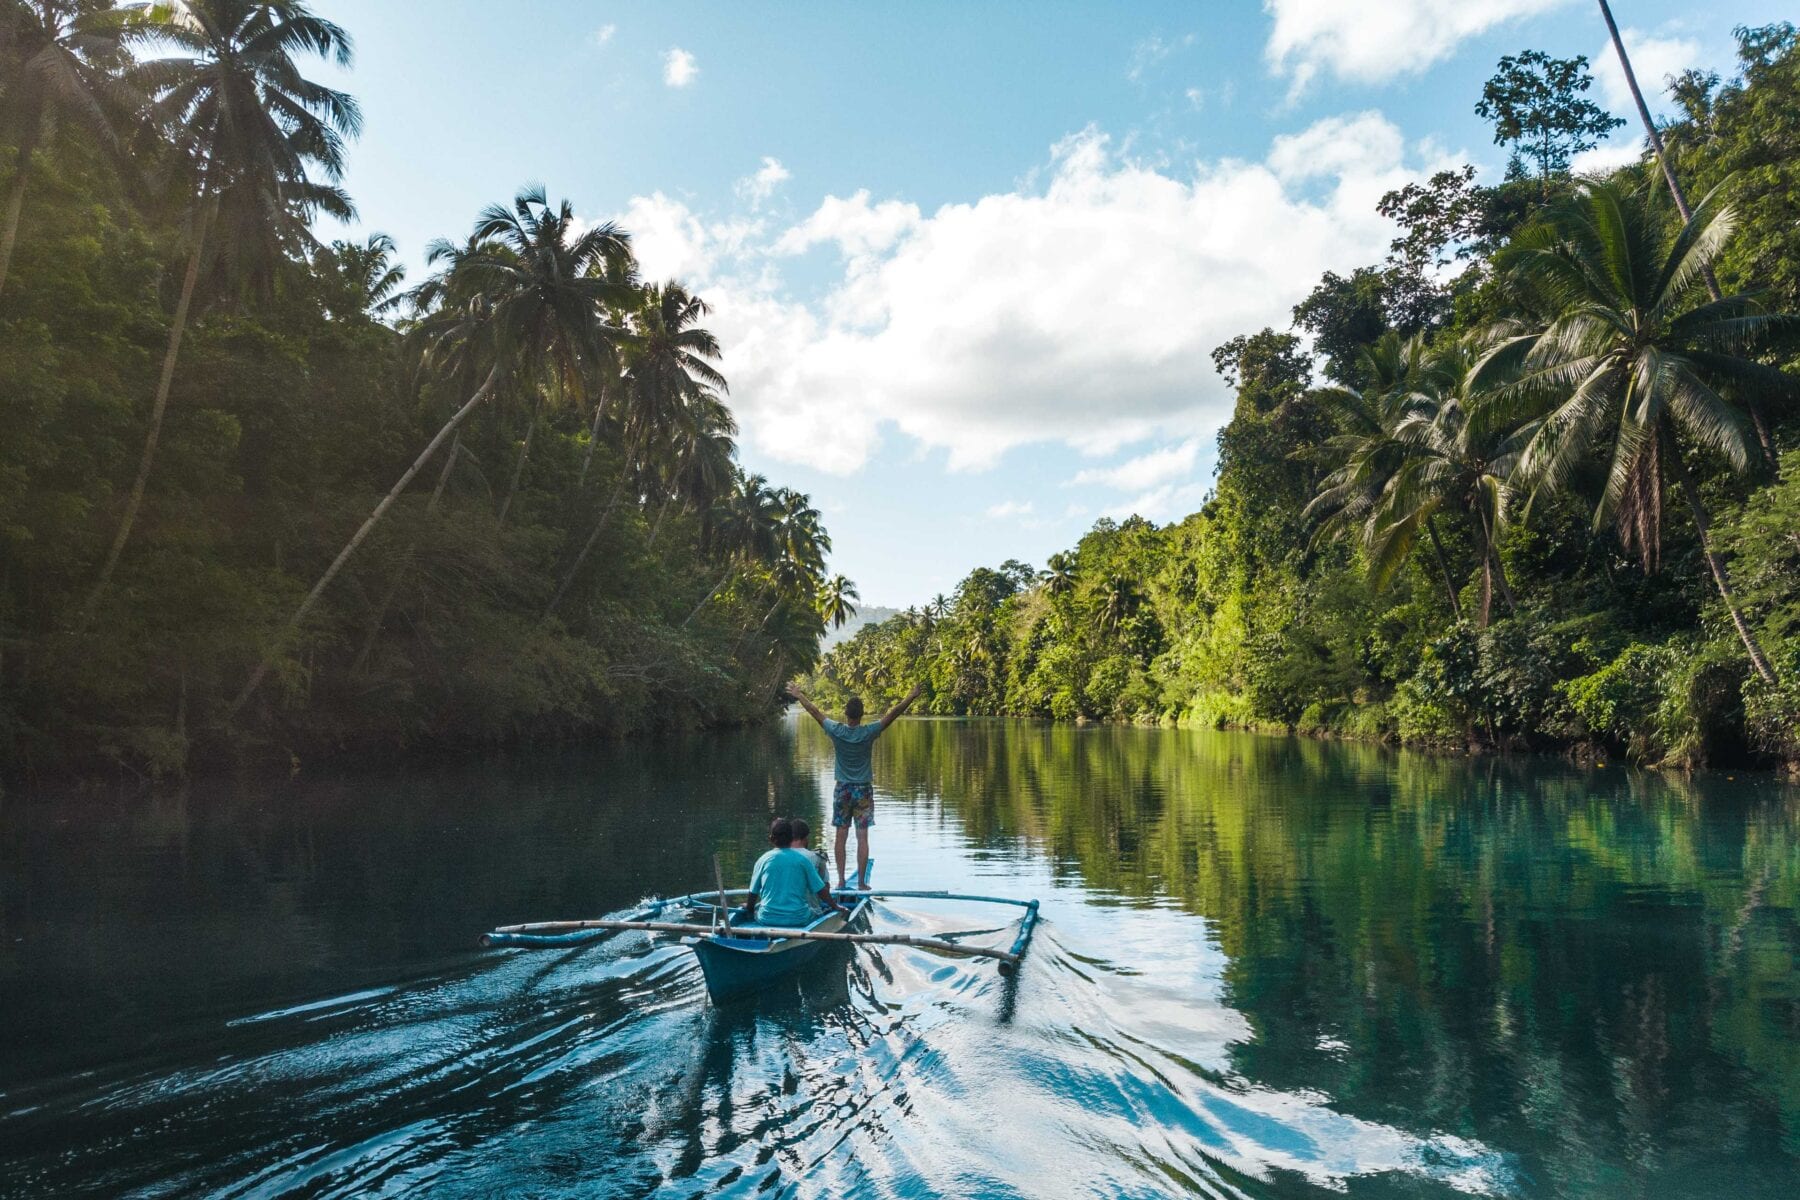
(759, 187)
(1010, 508)
(679, 68)
(1654, 57)
(1370, 41)
(1609, 156)
(1080, 310)
(1147, 470)
(1152, 50)
(1170, 502)
(604, 34)
(858, 229)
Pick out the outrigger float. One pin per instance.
(739, 959)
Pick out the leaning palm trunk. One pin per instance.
(701, 607)
(593, 539)
(519, 467)
(15, 204)
(157, 410)
(1437, 549)
(587, 460)
(1717, 565)
(656, 526)
(1493, 572)
(1681, 203)
(381, 510)
(393, 592)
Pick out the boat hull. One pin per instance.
(735, 967)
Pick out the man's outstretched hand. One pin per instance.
(918, 690)
(793, 692)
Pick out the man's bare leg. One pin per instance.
(862, 856)
(843, 841)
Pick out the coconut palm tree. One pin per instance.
(742, 530)
(1058, 576)
(369, 271)
(1119, 599)
(1634, 363)
(533, 290)
(801, 545)
(1456, 454)
(1763, 436)
(699, 463)
(835, 601)
(1400, 375)
(669, 365)
(252, 129)
(60, 64)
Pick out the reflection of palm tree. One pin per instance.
(533, 290)
(252, 127)
(1629, 362)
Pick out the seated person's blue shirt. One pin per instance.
(785, 883)
(853, 744)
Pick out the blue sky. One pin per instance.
(968, 260)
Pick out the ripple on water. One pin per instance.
(889, 1070)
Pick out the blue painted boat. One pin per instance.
(737, 966)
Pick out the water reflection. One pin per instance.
(1595, 970)
(1268, 967)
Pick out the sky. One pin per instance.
(968, 262)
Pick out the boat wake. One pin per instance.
(603, 1070)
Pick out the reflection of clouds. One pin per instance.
(1145, 1057)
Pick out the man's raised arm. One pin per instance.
(794, 693)
(893, 713)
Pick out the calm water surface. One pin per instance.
(1268, 967)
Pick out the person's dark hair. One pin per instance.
(802, 831)
(781, 831)
(853, 708)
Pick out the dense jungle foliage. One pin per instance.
(1532, 481)
(256, 496)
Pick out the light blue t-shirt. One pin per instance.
(785, 882)
(853, 743)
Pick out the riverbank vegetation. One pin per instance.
(1531, 481)
(257, 494)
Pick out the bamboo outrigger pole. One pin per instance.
(1006, 958)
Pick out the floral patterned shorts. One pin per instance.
(853, 802)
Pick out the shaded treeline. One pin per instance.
(1543, 494)
(255, 493)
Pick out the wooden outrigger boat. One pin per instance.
(736, 965)
(738, 959)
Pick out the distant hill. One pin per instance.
(866, 614)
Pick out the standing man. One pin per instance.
(853, 800)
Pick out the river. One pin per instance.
(1267, 967)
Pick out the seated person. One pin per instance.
(803, 843)
(784, 883)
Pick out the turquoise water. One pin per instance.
(1267, 967)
